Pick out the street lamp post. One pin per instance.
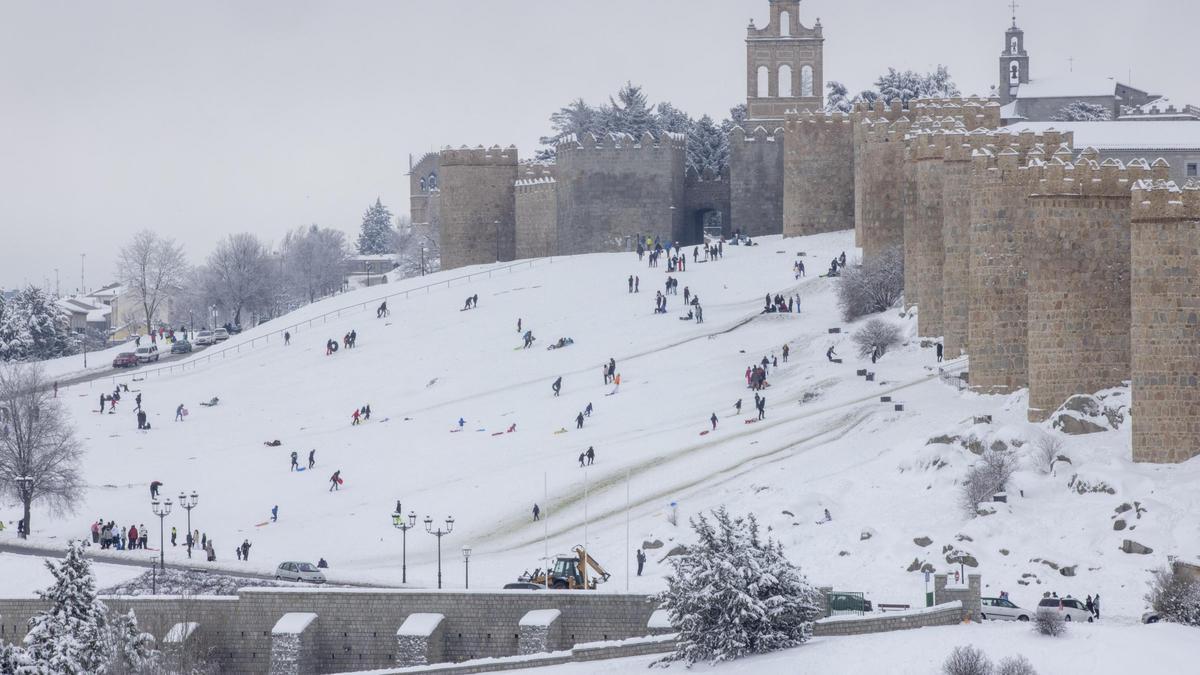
(439, 533)
(26, 484)
(422, 261)
(404, 525)
(368, 275)
(162, 510)
(188, 502)
(497, 223)
(467, 566)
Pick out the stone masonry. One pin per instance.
(537, 217)
(1165, 304)
(969, 596)
(478, 211)
(612, 188)
(956, 239)
(930, 150)
(879, 210)
(818, 174)
(1079, 270)
(756, 181)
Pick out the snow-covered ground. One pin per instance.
(1094, 649)
(22, 575)
(827, 441)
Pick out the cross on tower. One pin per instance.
(1013, 4)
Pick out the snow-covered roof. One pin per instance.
(98, 315)
(1009, 112)
(420, 624)
(75, 305)
(1118, 135)
(293, 623)
(540, 617)
(1067, 86)
(110, 291)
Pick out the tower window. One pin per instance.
(764, 82)
(785, 24)
(1014, 73)
(1193, 170)
(785, 81)
(806, 81)
(1013, 45)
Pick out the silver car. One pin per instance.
(205, 337)
(1069, 608)
(299, 571)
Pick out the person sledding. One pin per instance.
(562, 342)
(211, 403)
(382, 311)
(529, 339)
(335, 481)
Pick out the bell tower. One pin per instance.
(1014, 63)
(784, 65)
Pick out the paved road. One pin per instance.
(20, 548)
(108, 371)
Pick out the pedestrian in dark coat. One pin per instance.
(641, 561)
(713, 419)
(591, 455)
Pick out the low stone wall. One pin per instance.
(948, 614)
(356, 628)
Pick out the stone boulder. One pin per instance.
(1076, 426)
(678, 549)
(1068, 571)
(652, 545)
(1119, 524)
(922, 541)
(1083, 404)
(1131, 546)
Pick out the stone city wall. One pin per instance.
(478, 209)
(818, 174)
(756, 181)
(537, 217)
(1165, 314)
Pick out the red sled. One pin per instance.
(340, 481)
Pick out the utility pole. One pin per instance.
(57, 284)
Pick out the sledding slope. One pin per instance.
(827, 440)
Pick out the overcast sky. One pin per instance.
(200, 119)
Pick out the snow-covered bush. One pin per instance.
(875, 286)
(1176, 597)
(985, 478)
(1015, 665)
(1082, 111)
(733, 594)
(967, 661)
(877, 334)
(1051, 624)
(1046, 450)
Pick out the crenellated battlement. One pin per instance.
(1110, 178)
(531, 185)
(807, 121)
(479, 156)
(587, 142)
(1161, 201)
(758, 135)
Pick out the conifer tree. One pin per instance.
(133, 650)
(70, 637)
(707, 147)
(377, 234)
(732, 594)
(630, 113)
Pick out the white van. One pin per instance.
(147, 353)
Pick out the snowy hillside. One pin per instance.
(827, 441)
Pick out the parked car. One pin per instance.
(232, 328)
(147, 353)
(181, 347)
(1070, 608)
(848, 603)
(206, 337)
(299, 571)
(125, 360)
(1151, 617)
(220, 335)
(1003, 609)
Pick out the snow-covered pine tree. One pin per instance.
(1082, 111)
(673, 119)
(737, 118)
(732, 594)
(133, 650)
(49, 328)
(15, 660)
(630, 113)
(908, 85)
(837, 98)
(707, 147)
(71, 636)
(376, 235)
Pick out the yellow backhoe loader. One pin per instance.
(570, 572)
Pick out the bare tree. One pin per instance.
(153, 268)
(39, 456)
(417, 248)
(314, 260)
(877, 334)
(239, 276)
(967, 661)
(987, 477)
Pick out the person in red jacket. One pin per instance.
(355, 416)
(133, 536)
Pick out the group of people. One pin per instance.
(610, 370)
(836, 264)
(110, 535)
(635, 283)
(114, 398)
(798, 268)
(360, 414)
(348, 341)
(312, 459)
(243, 551)
(778, 303)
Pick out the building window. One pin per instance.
(1013, 45)
(785, 81)
(764, 82)
(806, 81)
(785, 24)
(1014, 73)
(1193, 170)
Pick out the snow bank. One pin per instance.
(540, 617)
(293, 623)
(180, 632)
(922, 611)
(420, 624)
